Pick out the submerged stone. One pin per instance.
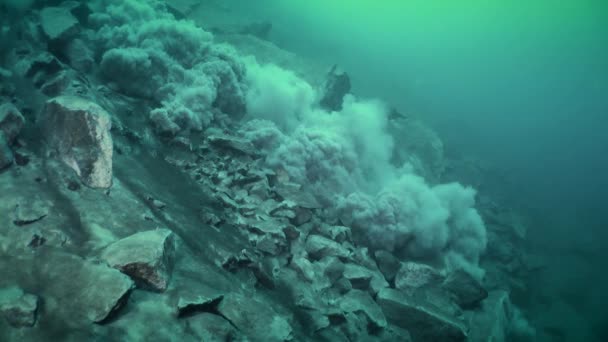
(146, 257)
(257, 320)
(6, 154)
(319, 247)
(78, 130)
(491, 321)
(423, 322)
(78, 289)
(412, 275)
(18, 308)
(466, 290)
(57, 22)
(337, 85)
(11, 121)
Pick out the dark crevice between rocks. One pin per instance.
(211, 307)
(206, 307)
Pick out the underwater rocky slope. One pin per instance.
(163, 183)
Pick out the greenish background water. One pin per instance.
(522, 85)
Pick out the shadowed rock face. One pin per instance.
(78, 130)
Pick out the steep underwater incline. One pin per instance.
(151, 173)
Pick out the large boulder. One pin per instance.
(491, 321)
(423, 321)
(78, 130)
(147, 257)
(18, 308)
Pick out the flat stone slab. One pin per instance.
(422, 321)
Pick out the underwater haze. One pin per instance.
(272, 170)
(522, 86)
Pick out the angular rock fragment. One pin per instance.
(79, 132)
(79, 55)
(57, 84)
(335, 233)
(467, 291)
(424, 322)
(387, 263)
(232, 143)
(57, 22)
(361, 301)
(255, 319)
(412, 275)
(81, 290)
(146, 257)
(359, 276)
(18, 308)
(336, 86)
(319, 247)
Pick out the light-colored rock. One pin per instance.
(78, 130)
(147, 257)
(387, 263)
(57, 22)
(412, 275)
